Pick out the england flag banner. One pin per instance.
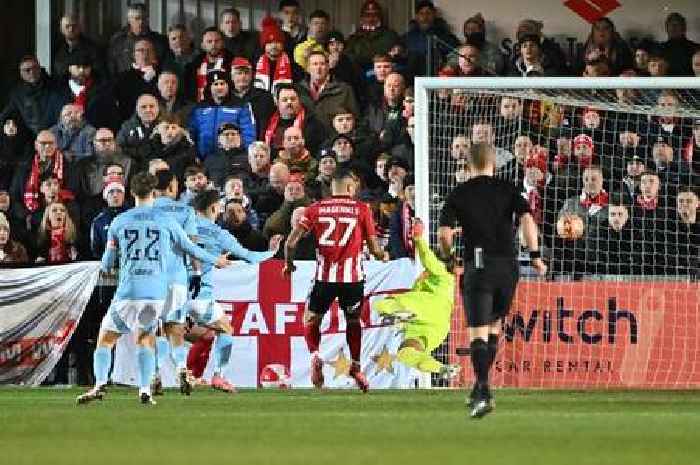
(39, 310)
(267, 315)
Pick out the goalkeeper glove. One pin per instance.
(195, 284)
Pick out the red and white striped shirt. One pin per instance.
(340, 225)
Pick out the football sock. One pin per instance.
(146, 368)
(198, 356)
(162, 351)
(492, 348)
(480, 361)
(222, 351)
(179, 354)
(353, 336)
(312, 334)
(419, 360)
(101, 362)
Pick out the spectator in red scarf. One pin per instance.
(400, 237)
(11, 251)
(47, 162)
(50, 192)
(57, 236)
(214, 57)
(84, 89)
(650, 214)
(274, 67)
(296, 155)
(290, 112)
(535, 178)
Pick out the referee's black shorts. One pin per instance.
(323, 294)
(488, 292)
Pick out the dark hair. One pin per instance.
(192, 170)
(163, 179)
(284, 86)
(212, 29)
(319, 14)
(143, 184)
(109, 165)
(286, 3)
(140, 7)
(649, 173)
(688, 188)
(342, 172)
(177, 27)
(617, 200)
(230, 11)
(234, 176)
(205, 199)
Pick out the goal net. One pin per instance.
(610, 168)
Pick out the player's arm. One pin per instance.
(110, 253)
(290, 248)
(187, 246)
(430, 262)
(230, 244)
(369, 232)
(190, 228)
(446, 231)
(529, 227)
(530, 234)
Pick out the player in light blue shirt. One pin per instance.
(203, 309)
(145, 243)
(174, 345)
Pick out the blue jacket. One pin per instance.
(206, 119)
(99, 227)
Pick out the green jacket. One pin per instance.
(432, 296)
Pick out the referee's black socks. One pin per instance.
(480, 361)
(493, 348)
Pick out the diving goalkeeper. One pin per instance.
(424, 312)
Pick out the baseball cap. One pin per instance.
(228, 127)
(110, 186)
(241, 62)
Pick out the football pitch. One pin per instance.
(44, 426)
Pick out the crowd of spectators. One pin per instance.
(266, 116)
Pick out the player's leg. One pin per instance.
(478, 304)
(210, 314)
(176, 311)
(162, 349)
(145, 327)
(146, 364)
(350, 297)
(319, 301)
(112, 327)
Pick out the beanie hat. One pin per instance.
(270, 32)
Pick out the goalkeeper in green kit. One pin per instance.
(424, 312)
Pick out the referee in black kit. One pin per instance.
(485, 208)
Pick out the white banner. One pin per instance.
(266, 312)
(39, 310)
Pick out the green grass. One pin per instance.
(44, 426)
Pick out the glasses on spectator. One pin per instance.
(105, 140)
(115, 173)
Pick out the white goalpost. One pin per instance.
(611, 169)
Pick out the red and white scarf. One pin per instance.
(58, 249)
(274, 121)
(203, 69)
(536, 202)
(31, 189)
(406, 217)
(268, 79)
(648, 204)
(81, 97)
(597, 201)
